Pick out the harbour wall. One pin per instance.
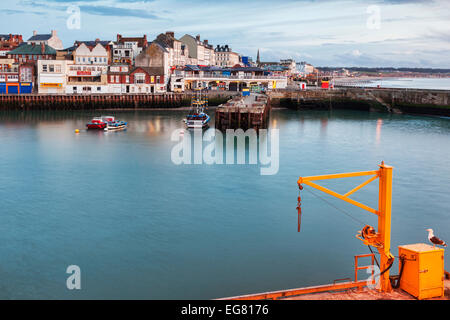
(419, 101)
(104, 101)
(432, 102)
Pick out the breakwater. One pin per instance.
(103, 101)
(420, 101)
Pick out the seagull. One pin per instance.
(435, 240)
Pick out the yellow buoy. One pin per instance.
(77, 131)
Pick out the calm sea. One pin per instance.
(141, 227)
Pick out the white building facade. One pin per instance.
(225, 57)
(88, 73)
(52, 76)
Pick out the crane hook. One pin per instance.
(299, 208)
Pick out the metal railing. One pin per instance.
(233, 77)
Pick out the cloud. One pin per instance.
(356, 53)
(330, 31)
(117, 12)
(10, 11)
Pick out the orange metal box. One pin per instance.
(423, 273)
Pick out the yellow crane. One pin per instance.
(379, 238)
(422, 265)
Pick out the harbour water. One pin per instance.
(141, 227)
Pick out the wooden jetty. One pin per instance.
(244, 113)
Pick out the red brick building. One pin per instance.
(140, 80)
(147, 80)
(9, 42)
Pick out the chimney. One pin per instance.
(198, 37)
(53, 33)
(170, 33)
(42, 48)
(205, 42)
(119, 37)
(97, 40)
(34, 33)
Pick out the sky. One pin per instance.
(376, 33)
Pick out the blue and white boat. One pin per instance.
(197, 120)
(116, 125)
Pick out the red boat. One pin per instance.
(100, 123)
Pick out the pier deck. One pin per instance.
(344, 291)
(367, 294)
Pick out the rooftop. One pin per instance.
(142, 41)
(91, 43)
(7, 36)
(152, 71)
(40, 37)
(33, 49)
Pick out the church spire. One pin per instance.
(258, 60)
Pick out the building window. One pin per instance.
(51, 68)
(117, 79)
(99, 89)
(128, 79)
(139, 78)
(44, 68)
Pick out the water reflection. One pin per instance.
(152, 123)
(323, 127)
(378, 131)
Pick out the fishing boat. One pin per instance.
(116, 125)
(197, 120)
(197, 117)
(99, 123)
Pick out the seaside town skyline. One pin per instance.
(367, 34)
